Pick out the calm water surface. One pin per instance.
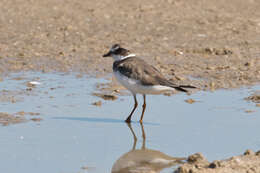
(75, 134)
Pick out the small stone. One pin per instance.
(249, 152)
(258, 105)
(105, 96)
(254, 98)
(249, 111)
(84, 167)
(28, 89)
(190, 101)
(21, 113)
(176, 52)
(214, 164)
(33, 113)
(34, 83)
(197, 157)
(247, 64)
(209, 50)
(183, 170)
(180, 78)
(98, 103)
(212, 85)
(36, 119)
(157, 58)
(210, 68)
(167, 94)
(116, 90)
(21, 55)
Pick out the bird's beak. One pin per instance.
(107, 54)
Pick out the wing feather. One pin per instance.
(148, 75)
(138, 69)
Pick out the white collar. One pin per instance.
(130, 55)
(119, 57)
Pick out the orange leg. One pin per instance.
(128, 120)
(144, 106)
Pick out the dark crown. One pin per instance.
(117, 50)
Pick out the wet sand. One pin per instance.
(209, 44)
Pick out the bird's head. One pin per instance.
(117, 52)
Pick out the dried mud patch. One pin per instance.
(16, 118)
(254, 97)
(105, 96)
(13, 96)
(7, 119)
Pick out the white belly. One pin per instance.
(135, 87)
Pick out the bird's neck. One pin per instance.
(121, 57)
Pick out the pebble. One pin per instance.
(190, 101)
(98, 103)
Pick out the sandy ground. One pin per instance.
(211, 44)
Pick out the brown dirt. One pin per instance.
(247, 163)
(6, 119)
(212, 44)
(19, 117)
(105, 96)
(97, 103)
(255, 97)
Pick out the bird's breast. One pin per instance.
(135, 86)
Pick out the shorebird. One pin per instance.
(139, 77)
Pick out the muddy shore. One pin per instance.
(210, 44)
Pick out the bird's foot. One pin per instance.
(128, 120)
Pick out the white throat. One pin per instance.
(120, 57)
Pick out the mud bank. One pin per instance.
(249, 162)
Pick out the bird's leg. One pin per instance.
(128, 120)
(144, 106)
(143, 135)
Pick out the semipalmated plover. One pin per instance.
(139, 77)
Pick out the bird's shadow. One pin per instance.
(100, 120)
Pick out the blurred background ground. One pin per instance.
(212, 44)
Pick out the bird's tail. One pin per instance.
(178, 88)
(168, 83)
(187, 86)
(181, 87)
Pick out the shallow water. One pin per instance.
(75, 134)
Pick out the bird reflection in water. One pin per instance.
(144, 160)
